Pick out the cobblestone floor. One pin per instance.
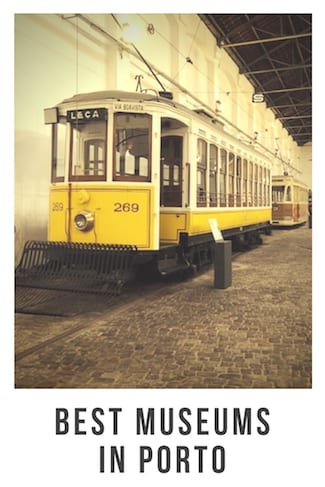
(255, 334)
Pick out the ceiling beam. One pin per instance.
(263, 41)
(271, 70)
(301, 135)
(293, 117)
(285, 90)
(293, 105)
(294, 127)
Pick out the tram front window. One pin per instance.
(278, 194)
(88, 151)
(132, 147)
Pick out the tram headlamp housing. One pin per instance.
(84, 221)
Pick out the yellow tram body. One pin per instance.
(125, 215)
(139, 173)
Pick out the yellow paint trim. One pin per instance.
(227, 218)
(196, 222)
(171, 224)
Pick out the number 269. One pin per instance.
(126, 207)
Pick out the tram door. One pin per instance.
(94, 157)
(171, 170)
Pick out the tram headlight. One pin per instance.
(84, 221)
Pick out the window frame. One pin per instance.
(223, 172)
(231, 179)
(87, 177)
(238, 181)
(130, 177)
(213, 175)
(245, 182)
(54, 152)
(201, 168)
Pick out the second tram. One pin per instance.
(289, 201)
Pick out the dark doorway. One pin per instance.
(171, 170)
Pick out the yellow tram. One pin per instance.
(289, 201)
(139, 170)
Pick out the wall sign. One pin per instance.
(258, 98)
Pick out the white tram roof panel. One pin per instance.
(116, 95)
(203, 113)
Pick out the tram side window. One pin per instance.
(245, 183)
(231, 173)
(255, 189)
(268, 182)
(302, 196)
(58, 152)
(201, 172)
(213, 175)
(132, 147)
(288, 193)
(260, 185)
(223, 177)
(295, 194)
(238, 181)
(265, 187)
(250, 183)
(88, 151)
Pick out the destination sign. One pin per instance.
(87, 114)
(129, 107)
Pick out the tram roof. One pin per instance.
(117, 95)
(201, 112)
(132, 97)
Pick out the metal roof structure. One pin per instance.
(274, 52)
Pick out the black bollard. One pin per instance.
(222, 264)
